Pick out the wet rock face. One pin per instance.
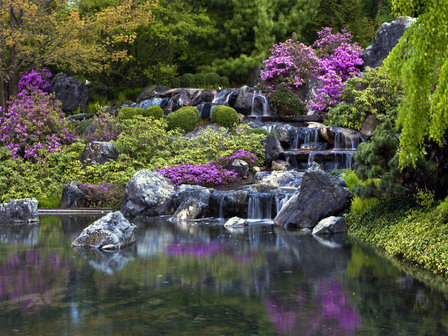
(386, 38)
(111, 232)
(236, 222)
(148, 194)
(330, 225)
(232, 203)
(320, 195)
(277, 179)
(19, 211)
(191, 202)
(98, 152)
(240, 167)
(71, 92)
(72, 196)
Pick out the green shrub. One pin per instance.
(187, 80)
(127, 95)
(174, 82)
(225, 116)
(371, 92)
(359, 206)
(285, 102)
(130, 112)
(186, 118)
(155, 112)
(261, 131)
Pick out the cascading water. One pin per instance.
(265, 206)
(258, 98)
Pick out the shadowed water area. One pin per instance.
(184, 279)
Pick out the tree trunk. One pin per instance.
(2, 95)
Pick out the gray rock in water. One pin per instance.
(240, 167)
(280, 165)
(98, 152)
(231, 203)
(386, 38)
(278, 179)
(19, 211)
(71, 92)
(330, 225)
(148, 194)
(273, 149)
(190, 209)
(320, 195)
(112, 229)
(186, 192)
(235, 222)
(72, 196)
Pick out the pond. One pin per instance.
(185, 279)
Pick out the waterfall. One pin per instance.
(221, 208)
(260, 206)
(264, 105)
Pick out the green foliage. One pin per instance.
(130, 112)
(359, 206)
(210, 80)
(225, 116)
(285, 102)
(186, 118)
(419, 64)
(371, 92)
(155, 112)
(128, 94)
(403, 230)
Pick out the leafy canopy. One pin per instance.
(419, 64)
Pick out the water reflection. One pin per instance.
(188, 279)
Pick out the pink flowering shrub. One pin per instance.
(102, 194)
(34, 124)
(240, 154)
(107, 126)
(35, 79)
(333, 59)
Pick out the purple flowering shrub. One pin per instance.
(333, 58)
(207, 174)
(33, 125)
(35, 79)
(240, 154)
(291, 64)
(102, 194)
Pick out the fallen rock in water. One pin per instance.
(320, 195)
(72, 196)
(330, 225)
(190, 209)
(148, 194)
(235, 222)
(110, 232)
(19, 211)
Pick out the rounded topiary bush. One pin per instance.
(155, 112)
(225, 116)
(186, 118)
(130, 112)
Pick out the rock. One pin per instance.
(327, 134)
(386, 38)
(345, 138)
(278, 179)
(204, 110)
(71, 92)
(320, 195)
(330, 225)
(229, 204)
(19, 211)
(235, 222)
(369, 126)
(180, 99)
(280, 165)
(282, 132)
(190, 209)
(186, 192)
(98, 152)
(72, 196)
(241, 117)
(89, 133)
(206, 96)
(156, 101)
(112, 229)
(148, 194)
(273, 149)
(243, 103)
(151, 91)
(240, 167)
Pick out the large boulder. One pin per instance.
(110, 232)
(369, 126)
(330, 225)
(273, 149)
(71, 92)
(229, 204)
(278, 179)
(386, 38)
(187, 192)
(19, 211)
(72, 196)
(320, 195)
(148, 194)
(98, 152)
(240, 167)
(152, 91)
(189, 210)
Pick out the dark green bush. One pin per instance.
(155, 112)
(174, 82)
(285, 102)
(130, 112)
(209, 80)
(187, 80)
(371, 92)
(225, 116)
(186, 118)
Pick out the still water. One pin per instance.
(182, 279)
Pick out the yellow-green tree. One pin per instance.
(34, 33)
(419, 64)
